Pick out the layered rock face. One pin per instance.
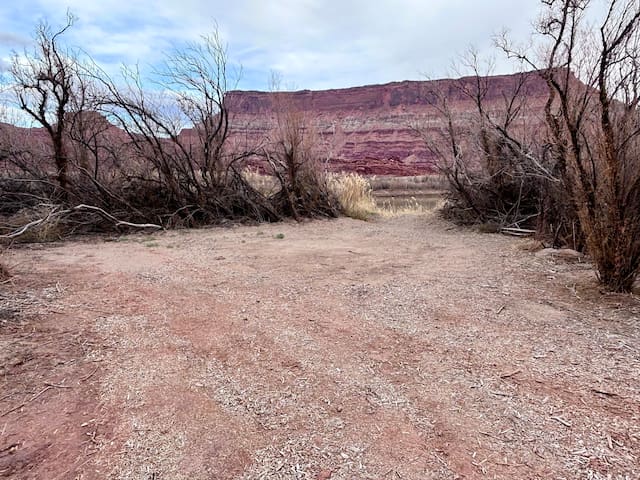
(390, 129)
(380, 129)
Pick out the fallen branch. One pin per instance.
(30, 225)
(517, 232)
(55, 213)
(108, 216)
(54, 385)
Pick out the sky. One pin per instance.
(310, 44)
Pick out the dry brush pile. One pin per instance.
(114, 154)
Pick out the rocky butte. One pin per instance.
(373, 129)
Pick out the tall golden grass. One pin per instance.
(354, 194)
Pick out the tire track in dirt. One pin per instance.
(354, 350)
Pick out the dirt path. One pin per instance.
(396, 349)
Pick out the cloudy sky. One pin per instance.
(312, 44)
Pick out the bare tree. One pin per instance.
(171, 162)
(179, 133)
(594, 125)
(43, 82)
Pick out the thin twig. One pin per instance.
(511, 374)
(57, 385)
(48, 387)
(603, 392)
(90, 375)
(561, 420)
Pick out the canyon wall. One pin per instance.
(386, 129)
(373, 129)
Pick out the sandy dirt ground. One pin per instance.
(402, 348)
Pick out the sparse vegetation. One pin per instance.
(354, 194)
(577, 182)
(434, 182)
(402, 347)
(170, 162)
(294, 157)
(494, 167)
(407, 206)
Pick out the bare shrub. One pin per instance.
(51, 169)
(170, 162)
(293, 154)
(490, 161)
(594, 126)
(192, 175)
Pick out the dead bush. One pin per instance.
(292, 153)
(594, 126)
(493, 166)
(170, 162)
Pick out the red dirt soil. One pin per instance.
(402, 348)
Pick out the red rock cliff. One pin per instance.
(371, 129)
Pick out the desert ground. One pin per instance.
(398, 348)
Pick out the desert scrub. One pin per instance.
(408, 206)
(354, 194)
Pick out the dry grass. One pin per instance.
(355, 195)
(265, 184)
(408, 206)
(419, 182)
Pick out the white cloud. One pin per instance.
(312, 43)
